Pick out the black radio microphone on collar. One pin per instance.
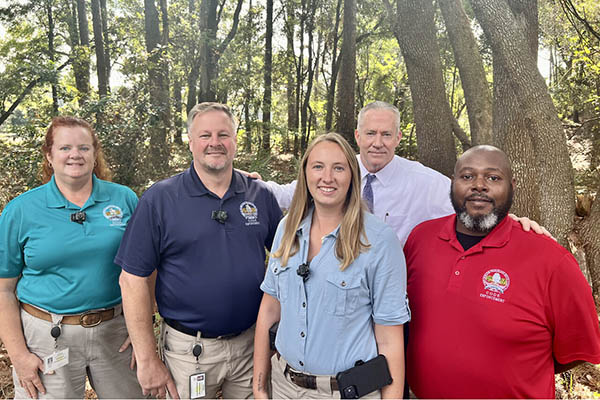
(304, 271)
(219, 216)
(78, 217)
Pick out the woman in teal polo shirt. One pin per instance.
(57, 247)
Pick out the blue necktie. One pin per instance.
(368, 193)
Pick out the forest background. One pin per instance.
(521, 74)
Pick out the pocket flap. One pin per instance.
(344, 281)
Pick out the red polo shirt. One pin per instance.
(487, 322)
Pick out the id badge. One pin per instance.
(197, 385)
(56, 360)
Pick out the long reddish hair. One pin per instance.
(100, 168)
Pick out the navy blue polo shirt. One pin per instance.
(209, 273)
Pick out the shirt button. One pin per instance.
(302, 334)
(462, 258)
(456, 273)
(275, 270)
(343, 283)
(303, 305)
(301, 364)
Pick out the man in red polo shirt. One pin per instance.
(496, 311)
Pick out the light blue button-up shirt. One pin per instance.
(327, 322)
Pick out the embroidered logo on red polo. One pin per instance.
(495, 284)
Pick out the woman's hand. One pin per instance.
(124, 347)
(27, 367)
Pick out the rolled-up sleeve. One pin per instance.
(387, 279)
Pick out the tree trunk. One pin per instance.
(590, 234)
(290, 57)
(99, 42)
(304, 112)
(550, 162)
(511, 126)
(52, 54)
(104, 14)
(208, 37)
(266, 142)
(164, 65)
(470, 67)
(248, 90)
(334, 70)
(210, 50)
(178, 106)
(300, 77)
(345, 124)
(289, 26)
(80, 51)
(415, 32)
(158, 130)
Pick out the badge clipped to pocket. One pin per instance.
(197, 385)
(56, 360)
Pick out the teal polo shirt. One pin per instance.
(65, 267)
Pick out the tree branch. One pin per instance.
(24, 93)
(460, 135)
(233, 31)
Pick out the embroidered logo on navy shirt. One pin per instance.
(114, 214)
(495, 284)
(250, 212)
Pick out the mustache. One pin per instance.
(480, 197)
(218, 148)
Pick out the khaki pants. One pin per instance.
(93, 352)
(227, 363)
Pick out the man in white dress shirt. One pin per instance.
(404, 193)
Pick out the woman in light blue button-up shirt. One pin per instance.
(336, 282)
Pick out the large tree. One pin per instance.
(347, 74)
(101, 65)
(80, 48)
(210, 48)
(415, 31)
(158, 91)
(470, 67)
(268, 71)
(551, 193)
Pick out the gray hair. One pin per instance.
(379, 105)
(205, 107)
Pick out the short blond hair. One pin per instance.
(208, 106)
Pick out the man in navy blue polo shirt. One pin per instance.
(205, 231)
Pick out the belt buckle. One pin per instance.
(87, 319)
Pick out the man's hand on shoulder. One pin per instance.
(254, 174)
(528, 224)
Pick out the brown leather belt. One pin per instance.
(87, 319)
(307, 381)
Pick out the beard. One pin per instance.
(486, 222)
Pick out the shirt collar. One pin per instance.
(386, 175)
(304, 227)
(498, 237)
(55, 199)
(195, 187)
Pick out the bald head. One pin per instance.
(494, 159)
(482, 189)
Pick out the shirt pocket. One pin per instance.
(281, 278)
(341, 293)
